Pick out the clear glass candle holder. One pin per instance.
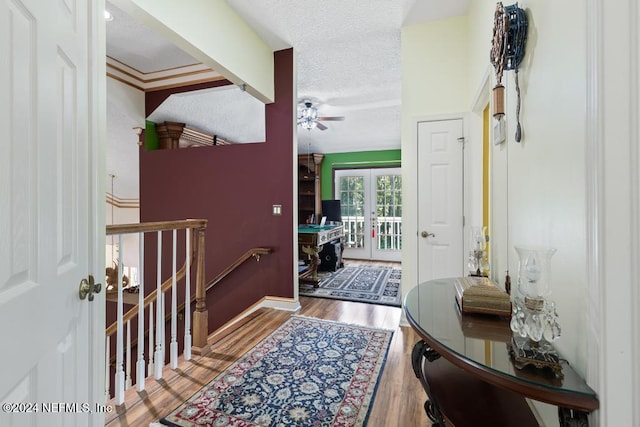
(534, 273)
(478, 261)
(534, 314)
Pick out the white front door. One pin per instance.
(51, 189)
(371, 204)
(440, 199)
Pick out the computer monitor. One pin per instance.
(331, 209)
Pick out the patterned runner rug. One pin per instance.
(308, 372)
(362, 283)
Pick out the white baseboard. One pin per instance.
(287, 304)
(278, 303)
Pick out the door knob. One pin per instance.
(88, 287)
(426, 234)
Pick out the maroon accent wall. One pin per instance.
(234, 187)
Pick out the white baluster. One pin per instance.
(107, 382)
(127, 382)
(140, 365)
(119, 376)
(187, 300)
(151, 354)
(159, 354)
(163, 325)
(174, 307)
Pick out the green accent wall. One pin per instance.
(355, 160)
(151, 136)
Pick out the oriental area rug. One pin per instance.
(361, 283)
(308, 372)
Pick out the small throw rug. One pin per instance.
(308, 372)
(374, 284)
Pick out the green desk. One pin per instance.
(311, 238)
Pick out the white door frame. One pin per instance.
(369, 251)
(97, 224)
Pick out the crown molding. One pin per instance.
(162, 79)
(115, 201)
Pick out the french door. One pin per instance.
(371, 204)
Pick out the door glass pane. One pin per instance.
(389, 212)
(352, 206)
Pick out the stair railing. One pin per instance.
(255, 253)
(194, 251)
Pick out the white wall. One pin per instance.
(542, 188)
(544, 204)
(546, 198)
(434, 82)
(125, 110)
(130, 241)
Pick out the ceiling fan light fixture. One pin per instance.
(308, 117)
(308, 123)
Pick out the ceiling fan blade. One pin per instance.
(321, 126)
(331, 119)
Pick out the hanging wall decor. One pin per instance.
(507, 52)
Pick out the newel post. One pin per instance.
(200, 316)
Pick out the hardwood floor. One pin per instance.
(398, 401)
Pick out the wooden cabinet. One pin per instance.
(309, 170)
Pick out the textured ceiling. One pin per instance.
(348, 63)
(140, 47)
(224, 111)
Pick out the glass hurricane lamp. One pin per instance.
(534, 314)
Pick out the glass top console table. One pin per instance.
(464, 364)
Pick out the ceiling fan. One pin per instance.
(308, 117)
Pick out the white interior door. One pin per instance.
(371, 203)
(440, 199)
(52, 96)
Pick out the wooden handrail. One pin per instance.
(255, 252)
(156, 226)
